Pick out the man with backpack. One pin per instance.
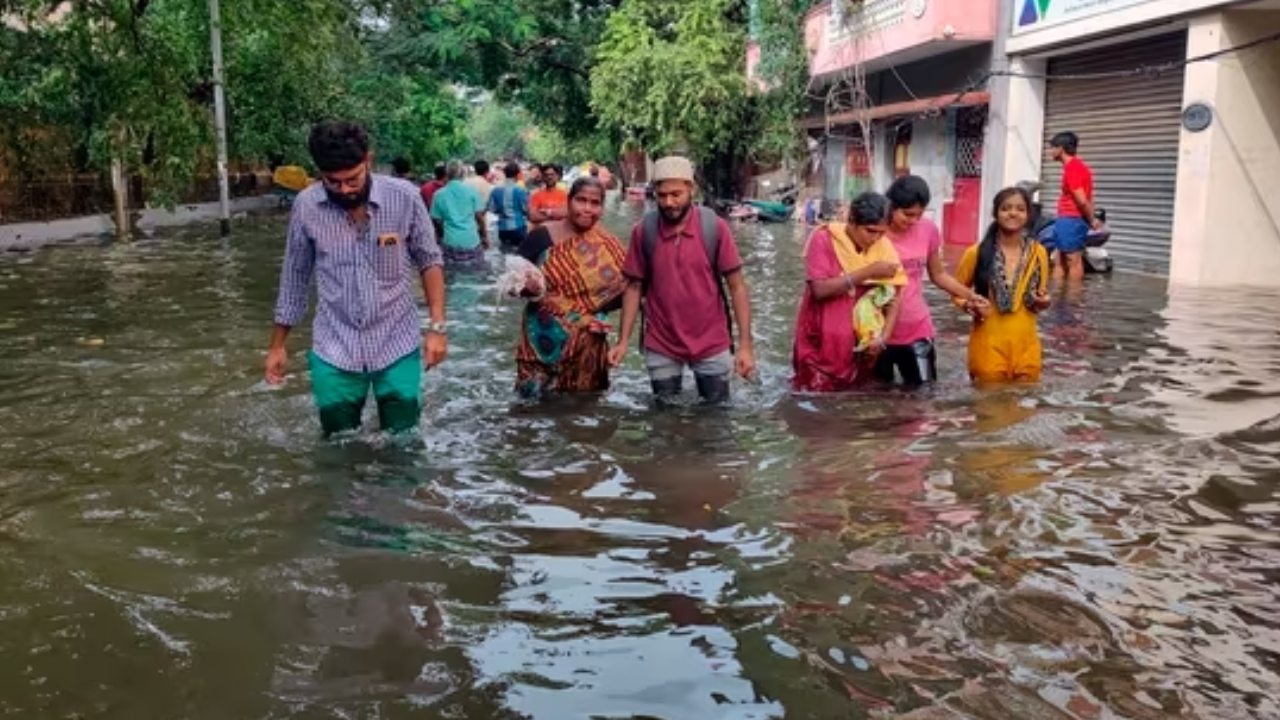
(680, 262)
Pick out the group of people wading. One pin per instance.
(863, 317)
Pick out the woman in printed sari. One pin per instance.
(1011, 271)
(563, 337)
(849, 306)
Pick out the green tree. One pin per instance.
(129, 82)
(411, 117)
(777, 27)
(122, 81)
(535, 54)
(497, 130)
(672, 77)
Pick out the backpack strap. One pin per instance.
(648, 243)
(710, 237)
(649, 238)
(711, 243)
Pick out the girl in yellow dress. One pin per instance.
(1010, 274)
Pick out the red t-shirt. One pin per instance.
(684, 316)
(429, 191)
(1075, 176)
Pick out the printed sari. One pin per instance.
(564, 336)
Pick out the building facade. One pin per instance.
(1176, 104)
(899, 87)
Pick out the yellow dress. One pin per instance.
(1006, 346)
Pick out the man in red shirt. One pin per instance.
(686, 318)
(1075, 205)
(429, 189)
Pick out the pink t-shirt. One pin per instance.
(920, 243)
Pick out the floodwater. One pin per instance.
(176, 541)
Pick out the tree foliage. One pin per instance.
(671, 76)
(536, 54)
(777, 27)
(131, 80)
(499, 131)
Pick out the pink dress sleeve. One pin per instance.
(820, 260)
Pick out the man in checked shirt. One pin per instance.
(360, 234)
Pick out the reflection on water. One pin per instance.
(176, 542)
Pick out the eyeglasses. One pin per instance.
(351, 183)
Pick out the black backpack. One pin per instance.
(649, 230)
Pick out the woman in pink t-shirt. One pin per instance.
(909, 351)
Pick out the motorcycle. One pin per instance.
(1096, 258)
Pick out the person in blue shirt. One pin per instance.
(461, 210)
(510, 203)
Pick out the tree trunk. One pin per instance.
(120, 192)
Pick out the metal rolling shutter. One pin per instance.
(1129, 132)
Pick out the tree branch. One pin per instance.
(540, 46)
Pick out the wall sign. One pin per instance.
(1197, 117)
(1037, 14)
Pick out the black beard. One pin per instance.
(678, 218)
(350, 201)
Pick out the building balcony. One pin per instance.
(879, 34)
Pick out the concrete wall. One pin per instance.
(929, 161)
(883, 32)
(1227, 220)
(27, 236)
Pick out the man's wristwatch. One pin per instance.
(435, 328)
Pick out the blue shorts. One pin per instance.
(1069, 234)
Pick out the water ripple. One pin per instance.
(1101, 546)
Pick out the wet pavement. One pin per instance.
(176, 541)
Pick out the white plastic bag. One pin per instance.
(521, 279)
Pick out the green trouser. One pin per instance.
(340, 394)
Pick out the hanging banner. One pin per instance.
(1039, 14)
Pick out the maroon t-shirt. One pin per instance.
(684, 316)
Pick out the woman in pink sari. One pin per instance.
(843, 263)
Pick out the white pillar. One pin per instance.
(1226, 228)
(1015, 127)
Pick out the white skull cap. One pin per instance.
(673, 167)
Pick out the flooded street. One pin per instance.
(177, 542)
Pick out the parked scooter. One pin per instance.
(1096, 257)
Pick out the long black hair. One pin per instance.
(909, 191)
(987, 248)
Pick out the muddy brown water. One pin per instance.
(176, 542)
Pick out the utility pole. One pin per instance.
(220, 118)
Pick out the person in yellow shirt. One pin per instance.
(1010, 273)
